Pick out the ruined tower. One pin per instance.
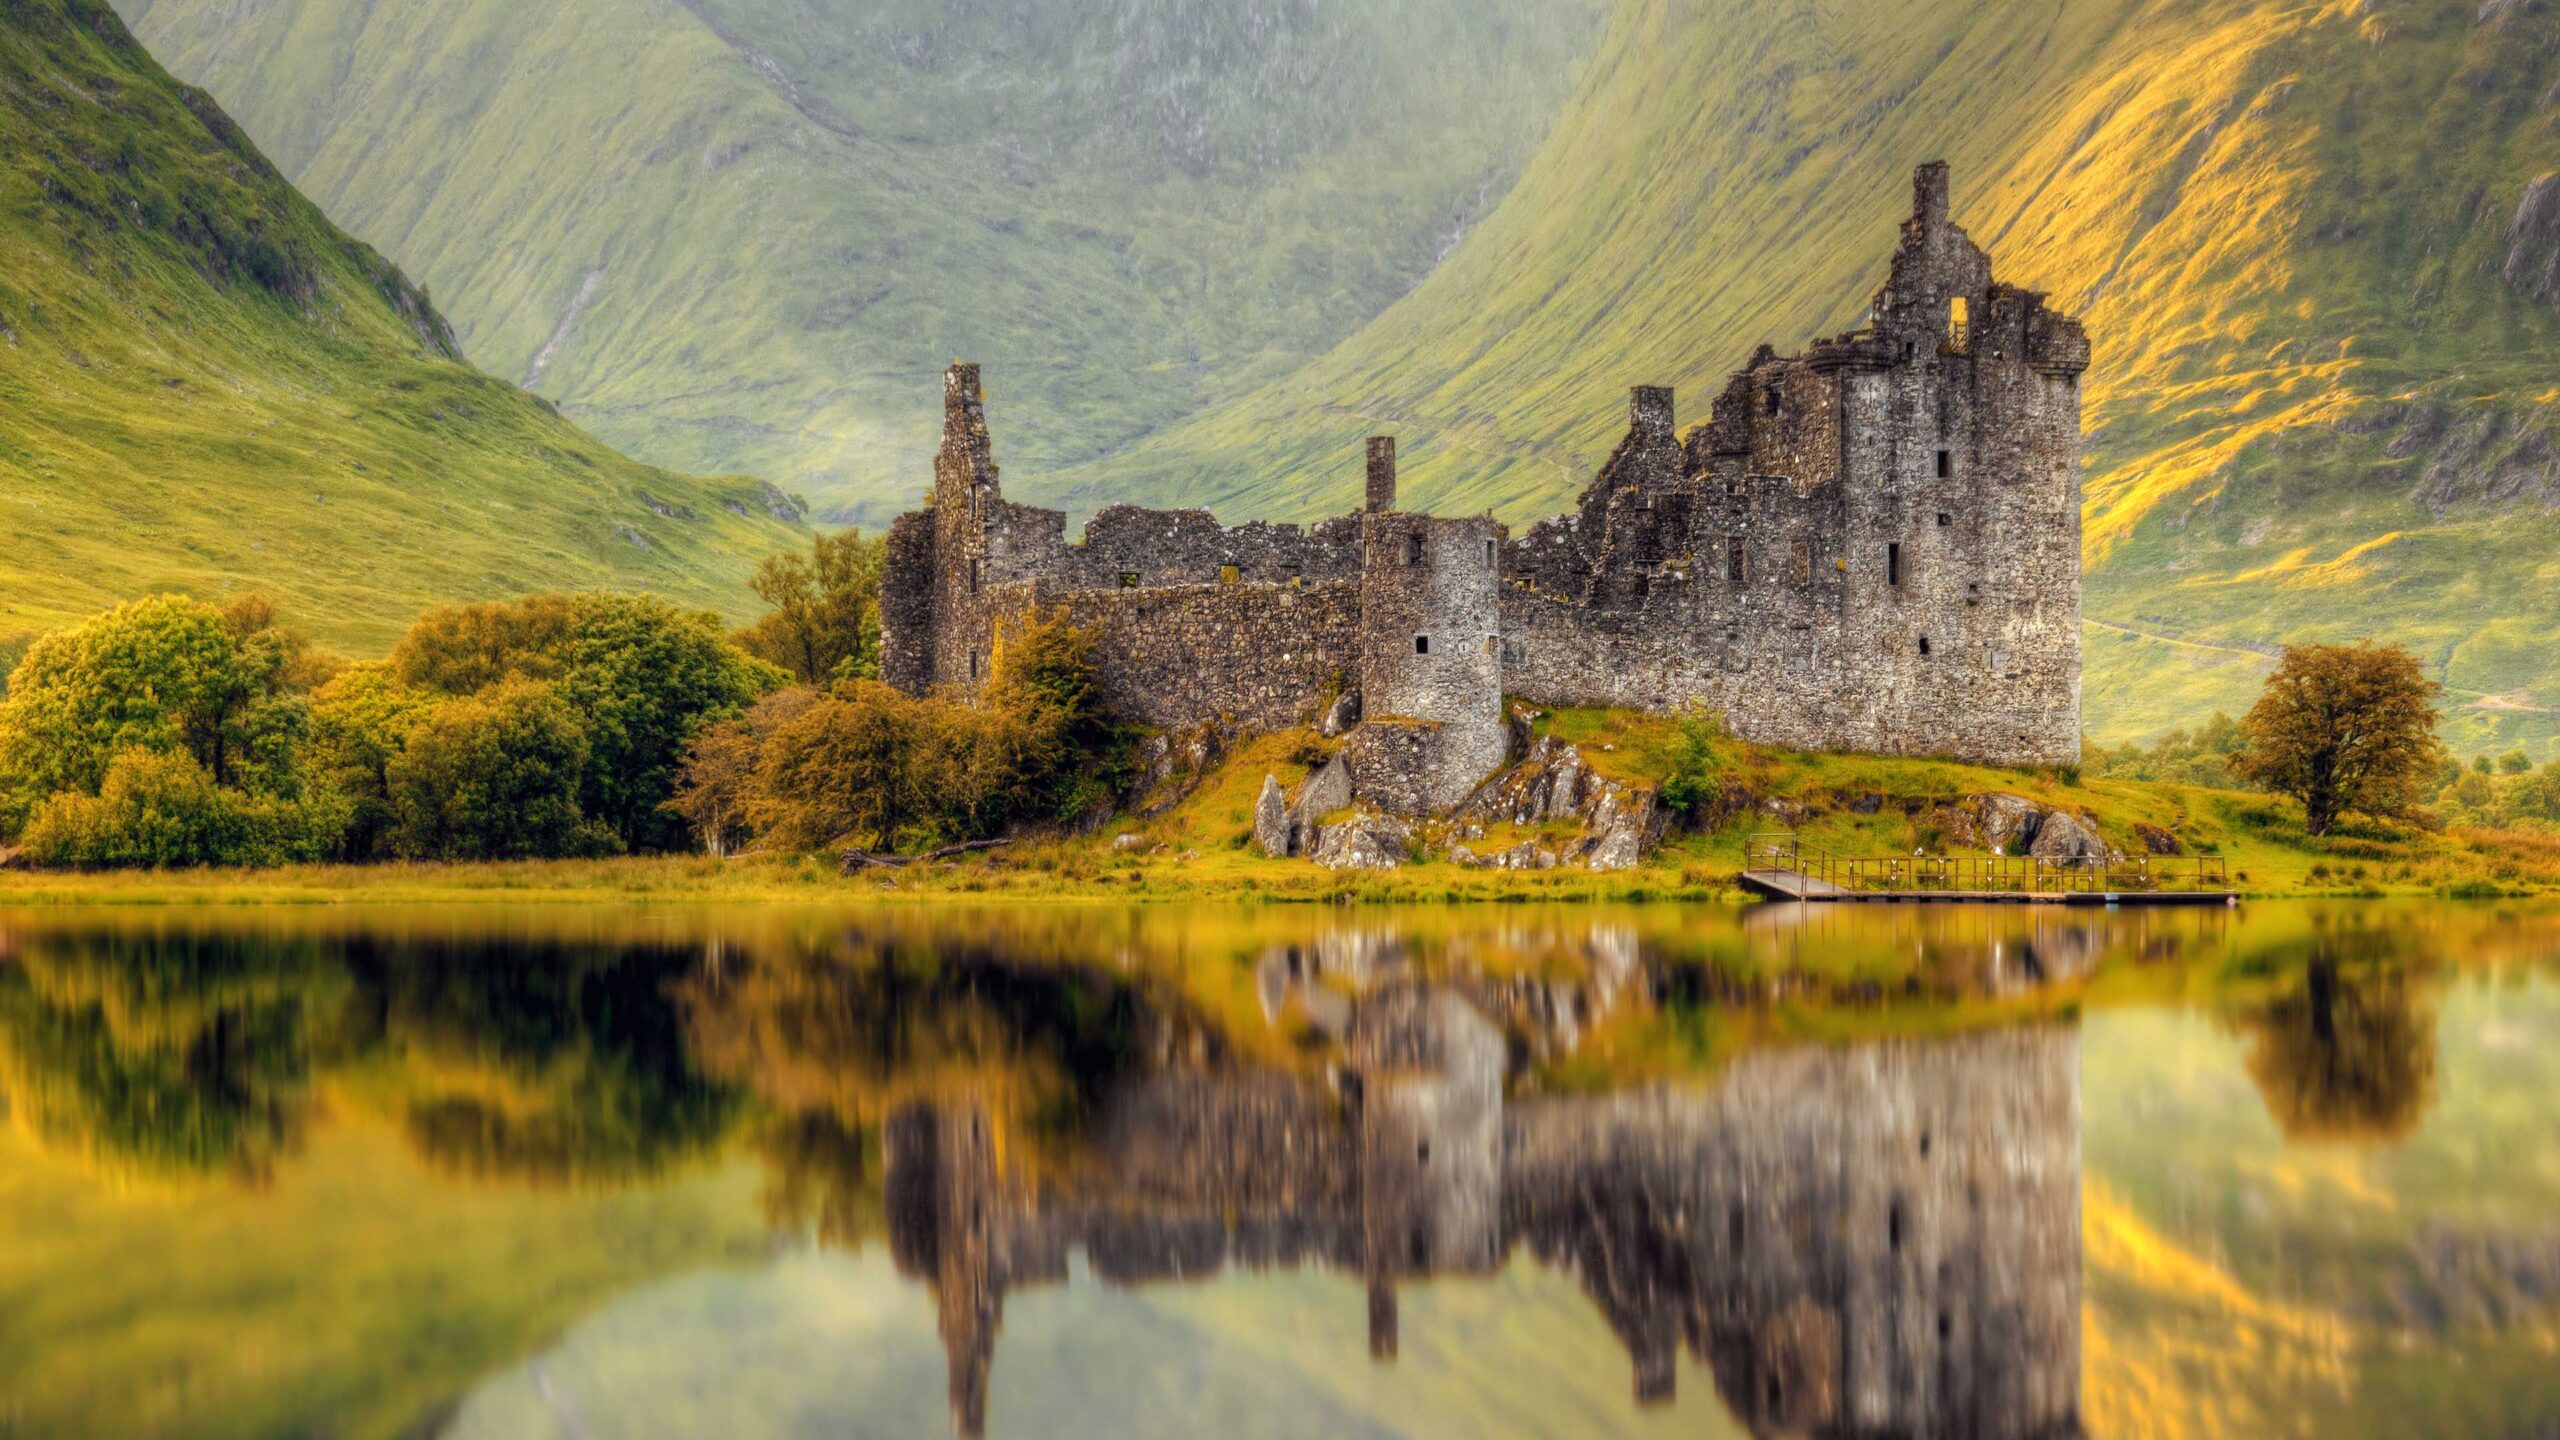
(1430, 653)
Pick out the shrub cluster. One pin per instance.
(170, 732)
(862, 763)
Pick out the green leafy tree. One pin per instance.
(493, 776)
(159, 809)
(2344, 728)
(642, 676)
(360, 723)
(822, 623)
(168, 674)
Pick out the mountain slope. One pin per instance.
(205, 386)
(747, 234)
(2317, 247)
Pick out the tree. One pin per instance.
(2349, 1056)
(847, 765)
(168, 675)
(360, 723)
(493, 776)
(823, 624)
(642, 676)
(2344, 728)
(715, 788)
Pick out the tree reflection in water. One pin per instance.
(1871, 1237)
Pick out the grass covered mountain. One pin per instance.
(206, 386)
(747, 234)
(2317, 246)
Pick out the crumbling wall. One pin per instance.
(1873, 546)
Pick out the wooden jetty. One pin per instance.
(1778, 867)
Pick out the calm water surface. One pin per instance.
(587, 1173)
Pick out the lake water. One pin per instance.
(591, 1172)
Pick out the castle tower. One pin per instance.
(1430, 656)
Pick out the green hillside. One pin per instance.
(2301, 236)
(204, 386)
(747, 234)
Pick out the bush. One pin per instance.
(1701, 762)
(160, 809)
(642, 676)
(494, 776)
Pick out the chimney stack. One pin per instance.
(1649, 408)
(1929, 193)
(1382, 474)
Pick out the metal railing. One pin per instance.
(1987, 874)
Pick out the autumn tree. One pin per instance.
(2344, 728)
(2348, 1055)
(822, 622)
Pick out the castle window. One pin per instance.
(1128, 579)
(1413, 548)
(1924, 647)
(1229, 574)
(1733, 570)
(1769, 400)
(1946, 462)
(1945, 519)
(1488, 552)
(1643, 585)
(1421, 644)
(973, 577)
(1893, 562)
(1893, 1224)
(973, 664)
(1493, 646)
(1959, 325)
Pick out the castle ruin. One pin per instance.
(1871, 546)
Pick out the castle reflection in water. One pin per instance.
(1879, 1239)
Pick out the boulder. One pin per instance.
(1340, 716)
(2002, 822)
(1621, 848)
(2066, 839)
(2158, 841)
(1364, 842)
(1325, 790)
(1125, 842)
(1272, 827)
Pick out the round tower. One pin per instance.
(1430, 658)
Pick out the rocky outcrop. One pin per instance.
(2533, 241)
(2157, 841)
(1620, 822)
(1283, 825)
(2066, 839)
(1363, 842)
(1172, 765)
(2006, 823)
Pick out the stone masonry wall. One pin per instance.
(1873, 546)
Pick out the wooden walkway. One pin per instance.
(1795, 885)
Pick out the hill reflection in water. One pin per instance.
(1833, 1159)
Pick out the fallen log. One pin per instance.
(857, 860)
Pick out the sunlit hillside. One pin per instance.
(2301, 234)
(205, 386)
(747, 234)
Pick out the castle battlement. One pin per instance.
(1874, 545)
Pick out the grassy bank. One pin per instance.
(1201, 848)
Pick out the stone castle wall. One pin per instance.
(1872, 546)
